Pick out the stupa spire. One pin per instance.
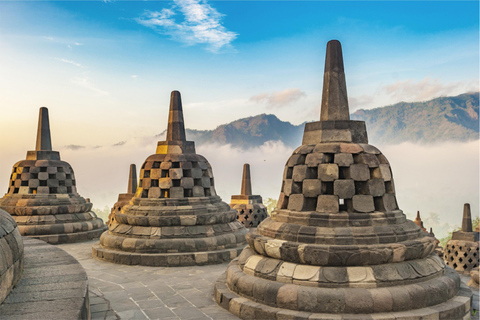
(44, 141)
(246, 182)
(334, 97)
(467, 218)
(132, 179)
(176, 126)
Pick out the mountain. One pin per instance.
(440, 119)
(250, 132)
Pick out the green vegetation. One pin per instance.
(270, 203)
(102, 213)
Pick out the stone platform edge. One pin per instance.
(248, 309)
(53, 286)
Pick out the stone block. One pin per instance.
(196, 173)
(154, 192)
(296, 159)
(206, 182)
(343, 159)
(198, 191)
(344, 189)
(359, 172)
(369, 159)
(296, 202)
(311, 188)
(327, 203)
(363, 203)
(165, 165)
(328, 172)
(299, 173)
(291, 187)
(385, 172)
(376, 187)
(33, 183)
(164, 183)
(187, 183)
(43, 175)
(156, 173)
(287, 297)
(390, 202)
(314, 159)
(60, 176)
(176, 173)
(176, 192)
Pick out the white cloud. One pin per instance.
(201, 24)
(280, 98)
(84, 82)
(70, 62)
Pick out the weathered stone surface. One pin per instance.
(337, 246)
(175, 217)
(44, 187)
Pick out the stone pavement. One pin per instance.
(139, 292)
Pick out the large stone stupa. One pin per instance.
(175, 217)
(337, 246)
(124, 198)
(42, 195)
(250, 208)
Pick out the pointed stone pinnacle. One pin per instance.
(418, 215)
(467, 218)
(246, 182)
(334, 97)
(176, 126)
(44, 141)
(132, 179)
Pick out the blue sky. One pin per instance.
(105, 70)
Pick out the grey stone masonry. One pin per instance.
(462, 251)
(337, 246)
(175, 217)
(250, 208)
(11, 255)
(124, 198)
(42, 196)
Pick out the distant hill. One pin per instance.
(440, 119)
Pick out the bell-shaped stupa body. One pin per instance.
(250, 208)
(175, 217)
(337, 246)
(124, 198)
(462, 252)
(42, 195)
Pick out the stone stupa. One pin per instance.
(175, 217)
(418, 221)
(250, 208)
(462, 252)
(124, 198)
(337, 246)
(42, 195)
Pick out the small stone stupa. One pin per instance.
(124, 198)
(337, 246)
(42, 195)
(175, 217)
(461, 252)
(250, 208)
(419, 222)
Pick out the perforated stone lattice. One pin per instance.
(42, 177)
(180, 178)
(333, 177)
(250, 215)
(463, 256)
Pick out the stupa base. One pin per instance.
(70, 237)
(459, 307)
(179, 259)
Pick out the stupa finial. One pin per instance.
(44, 141)
(176, 126)
(467, 218)
(418, 215)
(334, 97)
(246, 182)
(132, 179)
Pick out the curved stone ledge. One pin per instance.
(394, 298)
(340, 235)
(340, 255)
(11, 255)
(61, 228)
(157, 206)
(374, 276)
(166, 259)
(53, 286)
(30, 205)
(70, 237)
(55, 218)
(340, 219)
(111, 241)
(457, 307)
(178, 231)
